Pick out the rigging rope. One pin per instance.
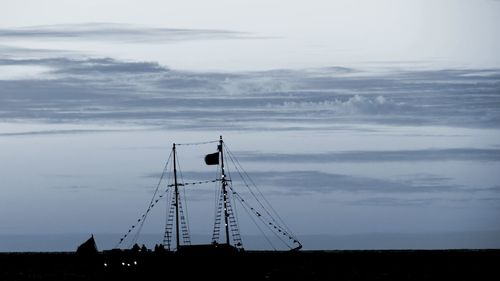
(151, 204)
(257, 225)
(267, 223)
(235, 161)
(196, 143)
(193, 183)
(234, 210)
(282, 230)
(169, 210)
(217, 209)
(186, 217)
(142, 219)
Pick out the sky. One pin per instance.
(367, 124)
(291, 34)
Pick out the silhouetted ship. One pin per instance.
(226, 238)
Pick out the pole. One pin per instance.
(176, 191)
(224, 191)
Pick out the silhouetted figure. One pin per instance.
(144, 249)
(88, 247)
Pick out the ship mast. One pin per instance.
(176, 192)
(224, 191)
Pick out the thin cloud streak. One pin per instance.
(116, 32)
(57, 132)
(446, 154)
(302, 182)
(307, 182)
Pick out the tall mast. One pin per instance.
(224, 191)
(176, 191)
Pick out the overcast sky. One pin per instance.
(354, 117)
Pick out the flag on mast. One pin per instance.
(212, 159)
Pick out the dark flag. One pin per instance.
(212, 159)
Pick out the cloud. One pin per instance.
(73, 89)
(445, 154)
(110, 66)
(88, 66)
(15, 51)
(304, 182)
(350, 105)
(55, 132)
(392, 201)
(73, 188)
(118, 32)
(491, 189)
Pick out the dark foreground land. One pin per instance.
(305, 265)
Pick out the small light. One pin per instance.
(123, 263)
(105, 264)
(135, 262)
(128, 264)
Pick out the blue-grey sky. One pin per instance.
(368, 124)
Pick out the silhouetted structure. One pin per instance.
(88, 247)
(226, 235)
